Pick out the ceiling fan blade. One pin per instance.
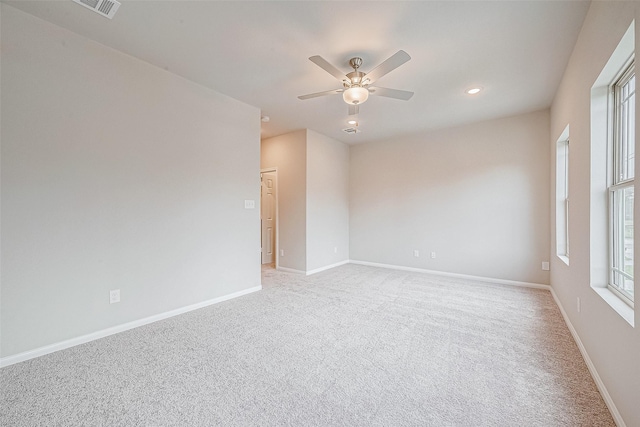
(354, 109)
(393, 62)
(322, 63)
(391, 93)
(317, 94)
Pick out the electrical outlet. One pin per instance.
(416, 253)
(335, 250)
(281, 252)
(545, 265)
(114, 296)
(433, 255)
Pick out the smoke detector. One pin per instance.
(106, 8)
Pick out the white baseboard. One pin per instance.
(327, 267)
(291, 270)
(41, 351)
(592, 369)
(456, 275)
(310, 272)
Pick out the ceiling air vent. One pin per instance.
(351, 131)
(106, 8)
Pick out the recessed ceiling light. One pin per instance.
(473, 90)
(352, 122)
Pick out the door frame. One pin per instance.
(273, 170)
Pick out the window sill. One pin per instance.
(617, 304)
(564, 259)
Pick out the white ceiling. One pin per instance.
(258, 52)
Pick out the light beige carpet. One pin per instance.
(352, 346)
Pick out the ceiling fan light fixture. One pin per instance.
(355, 95)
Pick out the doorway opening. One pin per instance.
(269, 217)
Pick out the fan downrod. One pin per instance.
(356, 78)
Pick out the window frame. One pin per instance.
(620, 180)
(562, 196)
(566, 198)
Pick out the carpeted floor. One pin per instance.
(352, 346)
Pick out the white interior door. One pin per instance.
(267, 214)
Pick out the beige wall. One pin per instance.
(115, 175)
(477, 196)
(612, 344)
(288, 153)
(327, 201)
(313, 200)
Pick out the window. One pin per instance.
(562, 196)
(621, 189)
(612, 145)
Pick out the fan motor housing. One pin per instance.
(355, 78)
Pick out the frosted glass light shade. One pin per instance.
(355, 95)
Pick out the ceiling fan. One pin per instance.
(356, 85)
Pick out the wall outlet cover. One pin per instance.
(114, 296)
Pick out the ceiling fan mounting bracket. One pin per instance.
(355, 63)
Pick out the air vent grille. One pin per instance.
(105, 8)
(351, 130)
